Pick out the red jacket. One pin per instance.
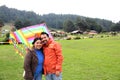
(53, 57)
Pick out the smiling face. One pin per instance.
(38, 44)
(44, 38)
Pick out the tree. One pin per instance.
(26, 23)
(92, 25)
(116, 27)
(68, 26)
(1, 25)
(81, 24)
(18, 24)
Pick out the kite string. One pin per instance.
(16, 47)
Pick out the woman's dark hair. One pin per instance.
(42, 33)
(36, 40)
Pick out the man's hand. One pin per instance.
(57, 73)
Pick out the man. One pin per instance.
(53, 58)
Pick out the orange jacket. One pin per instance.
(53, 57)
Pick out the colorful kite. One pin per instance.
(26, 35)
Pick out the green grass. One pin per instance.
(11, 64)
(84, 59)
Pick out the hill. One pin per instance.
(53, 20)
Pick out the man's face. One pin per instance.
(44, 38)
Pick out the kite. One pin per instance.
(25, 36)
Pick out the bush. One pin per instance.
(68, 38)
(75, 38)
(6, 38)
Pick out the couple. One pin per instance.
(45, 57)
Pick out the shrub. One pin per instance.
(75, 38)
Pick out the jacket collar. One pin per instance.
(49, 42)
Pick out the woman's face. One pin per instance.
(38, 44)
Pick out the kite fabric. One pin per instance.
(26, 35)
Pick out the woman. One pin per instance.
(33, 63)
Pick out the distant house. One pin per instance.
(53, 32)
(58, 33)
(93, 32)
(77, 32)
(4, 31)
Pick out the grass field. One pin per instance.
(84, 59)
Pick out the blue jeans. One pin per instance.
(39, 77)
(53, 77)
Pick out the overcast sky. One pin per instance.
(103, 9)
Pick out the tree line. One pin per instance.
(66, 22)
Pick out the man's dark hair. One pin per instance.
(42, 33)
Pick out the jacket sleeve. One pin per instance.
(58, 51)
(27, 67)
